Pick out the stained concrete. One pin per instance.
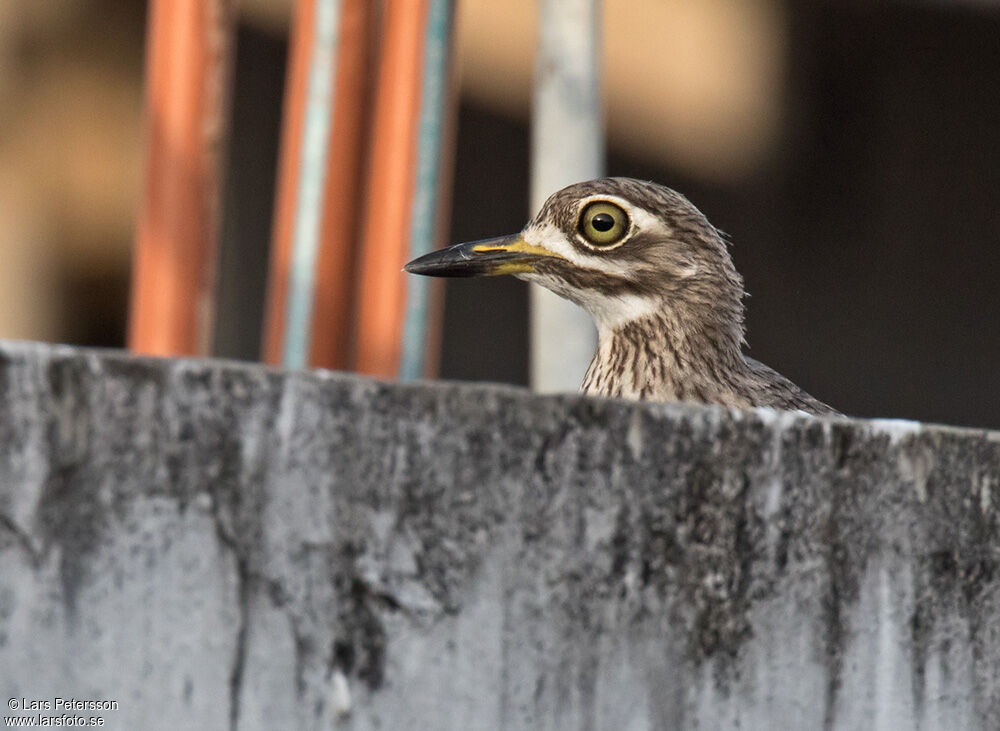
(215, 545)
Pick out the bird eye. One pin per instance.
(603, 223)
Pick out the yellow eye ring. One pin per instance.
(603, 223)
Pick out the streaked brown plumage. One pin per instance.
(659, 282)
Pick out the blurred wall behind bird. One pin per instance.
(848, 147)
(70, 146)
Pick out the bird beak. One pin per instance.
(486, 258)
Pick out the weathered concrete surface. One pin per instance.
(221, 546)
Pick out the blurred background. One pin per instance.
(850, 149)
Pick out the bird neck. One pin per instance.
(670, 356)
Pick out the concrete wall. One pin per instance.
(216, 546)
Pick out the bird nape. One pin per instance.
(658, 280)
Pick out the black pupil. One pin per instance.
(603, 222)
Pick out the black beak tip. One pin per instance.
(450, 262)
(417, 266)
(473, 259)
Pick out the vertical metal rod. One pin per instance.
(189, 59)
(389, 200)
(311, 181)
(293, 115)
(425, 219)
(310, 308)
(567, 146)
(333, 306)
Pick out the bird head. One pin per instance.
(622, 249)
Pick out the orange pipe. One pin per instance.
(389, 193)
(188, 63)
(296, 82)
(332, 304)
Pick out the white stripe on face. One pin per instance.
(547, 235)
(609, 311)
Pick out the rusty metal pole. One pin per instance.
(310, 292)
(188, 66)
(293, 113)
(333, 300)
(430, 205)
(389, 197)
